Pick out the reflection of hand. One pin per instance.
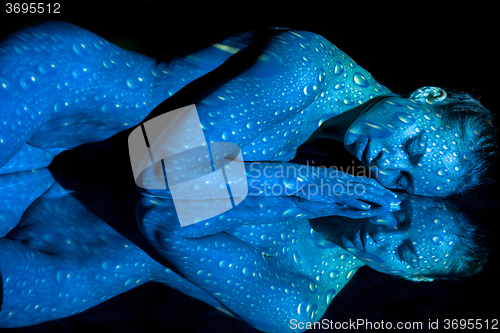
(319, 209)
(346, 189)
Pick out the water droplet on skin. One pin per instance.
(216, 102)
(61, 106)
(339, 68)
(441, 187)
(62, 85)
(111, 107)
(442, 171)
(438, 240)
(404, 117)
(348, 101)
(351, 273)
(45, 68)
(334, 274)
(325, 118)
(135, 82)
(99, 44)
(309, 90)
(228, 134)
(431, 118)
(80, 72)
(140, 105)
(303, 307)
(28, 80)
(251, 124)
(109, 63)
(4, 85)
(80, 48)
(63, 275)
(321, 77)
(370, 129)
(223, 264)
(329, 296)
(339, 86)
(22, 110)
(39, 48)
(360, 80)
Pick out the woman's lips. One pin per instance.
(357, 240)
(361, 146)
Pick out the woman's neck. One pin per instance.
(336, 128)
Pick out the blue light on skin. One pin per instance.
(274, 241)
(61, 259)
(419, 239)
(407, 146)
(66, 86)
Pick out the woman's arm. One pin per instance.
(237, 273)
(61, 85)
(199, 180)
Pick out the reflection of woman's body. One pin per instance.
(65, 86)
(263, 260)
(260, 262)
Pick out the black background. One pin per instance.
(403, 48)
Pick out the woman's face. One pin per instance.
(407, 147)
(412, 241)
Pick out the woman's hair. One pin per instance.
(472, 243)
(477, 139)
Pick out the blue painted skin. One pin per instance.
(61, 259)
(260, 262)
(62, 86)
(410, 149)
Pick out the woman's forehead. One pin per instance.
(439, 170)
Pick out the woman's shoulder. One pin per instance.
(309, 53)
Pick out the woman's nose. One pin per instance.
(391, 161)
(389, 237)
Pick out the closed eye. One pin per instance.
(409, 146)
(403, 180)
(406, 253)
(403, 219)
(415, 148)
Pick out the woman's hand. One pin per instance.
(345, 189)
(320, 184)
(314, 209)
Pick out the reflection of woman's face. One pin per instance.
(408, 145)
(411, 242)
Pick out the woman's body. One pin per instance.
(63, 86)
(299, 79)
(260, 262)
(53, 264)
